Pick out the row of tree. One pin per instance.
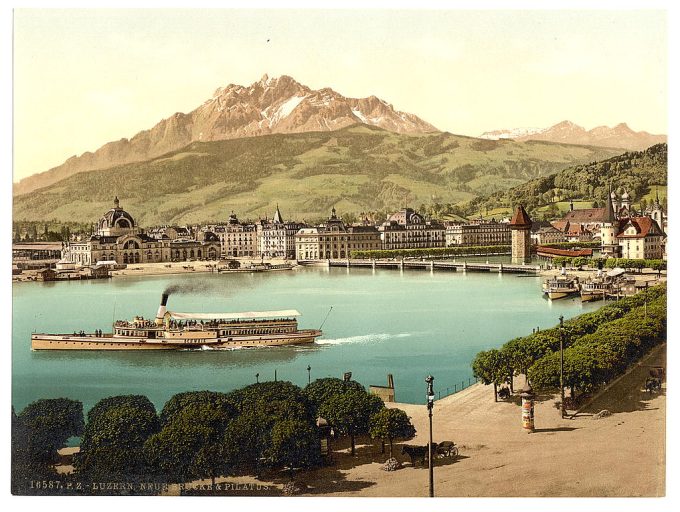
(203, 434)
(517, 356)
(436, 252)
(629, 264)
(596, 358)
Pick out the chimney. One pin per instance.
(162, 309)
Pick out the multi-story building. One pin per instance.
(640, 238)
(407, 229)
(238, 239)
(631, 237)
(547, 235)
(276, 238)
(333, 240)
(478, 233)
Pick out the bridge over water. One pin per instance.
(402, 264)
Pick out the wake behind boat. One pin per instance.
(173, 331)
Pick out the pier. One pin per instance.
(464, 266)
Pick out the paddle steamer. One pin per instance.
(176, 331)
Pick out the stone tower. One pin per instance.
(610, 225)
(520, 225)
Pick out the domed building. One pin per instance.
(118, 239)
(116, 222)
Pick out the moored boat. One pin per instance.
(177, 331)
(601, 285)
(560, 286)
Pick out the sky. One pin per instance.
(83, 78)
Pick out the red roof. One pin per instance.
(586, 215)
(520, 218)
(644, 226)
(551, 251)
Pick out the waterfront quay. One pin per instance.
(434, 265)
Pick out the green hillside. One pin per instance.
(356, 169)
(640, 173)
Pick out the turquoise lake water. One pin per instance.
(410, 324)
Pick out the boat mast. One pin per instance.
(326, 318)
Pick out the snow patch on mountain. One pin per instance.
(511, 133)
(275, 114)
(360, 115)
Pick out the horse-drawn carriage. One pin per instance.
(504, 393)
(439, 450)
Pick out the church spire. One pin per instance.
(278, 218)
(609, 215)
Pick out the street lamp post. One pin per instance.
(257, 378)
(562, 366)
(430, 404)
(309, 374)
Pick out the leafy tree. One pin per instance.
(350, 412)
(389, 424)
(111, 445)
(319, 391)
(491, 367)
(37, 433)
(579, 262)
(190, 442)
(179, 402)
(294, 444)
(260, 407)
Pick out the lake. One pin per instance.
(409, 324)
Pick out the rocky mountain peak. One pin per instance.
(567, 132)
(270, 105)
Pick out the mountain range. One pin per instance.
(620, 136)
(355, 169)
(271, 105)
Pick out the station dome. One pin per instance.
(116, 217)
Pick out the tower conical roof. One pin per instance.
(278, 218)
(609, 215)
(520, 218)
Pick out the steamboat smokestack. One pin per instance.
(162, 309)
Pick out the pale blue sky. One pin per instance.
(84, 78)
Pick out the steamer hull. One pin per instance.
(302, 337)
(187, 331)
(57, 342)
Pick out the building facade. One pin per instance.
(238, 240)
(478, 233)
(407, 229)
(118, 238)
(276, 238)
(640, 238)
(333, 240)
(548, 235)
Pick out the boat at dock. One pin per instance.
(560, 286)
(602, 285)
(258, 267)
(180, 331)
